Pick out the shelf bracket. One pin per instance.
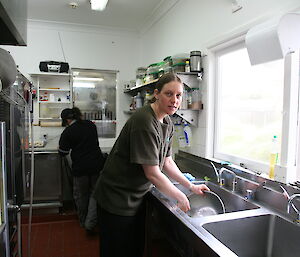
(191, 116)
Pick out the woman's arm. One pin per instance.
(157, 178)
(173, 172)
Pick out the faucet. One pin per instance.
(216, 171)
(222, 179)
(290, 203)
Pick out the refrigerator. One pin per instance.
(15, 163)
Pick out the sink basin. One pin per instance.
(266, 235)
(209, 204)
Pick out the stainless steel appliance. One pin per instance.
(14, 112)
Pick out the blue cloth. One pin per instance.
(189, 176)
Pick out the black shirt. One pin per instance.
(82, 139)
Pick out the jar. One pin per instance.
(141, 72)
(178, 67)
(196, 103)
(195, 61)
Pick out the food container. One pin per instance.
(196, 103)
(141, 72)
(179, 58)
(195, 61)
(161, 69)
(168, 61)
(178, 67)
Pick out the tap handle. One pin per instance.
(222, 182)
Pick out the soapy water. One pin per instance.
(206, 210)
(202, 212)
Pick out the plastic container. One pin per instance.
(273, 156)
(141, 72)
(168, 61)
(152, 72)
(161, 68)
(178, 67)
(148, 98)
(196, 102)
(179, 58)
(184, 102)
(195, 61)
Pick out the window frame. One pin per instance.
(287, 168)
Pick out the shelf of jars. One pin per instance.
(191, 103)
(187, 78)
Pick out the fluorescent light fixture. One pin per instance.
(98, 5)
(87, 79)
(83, 85)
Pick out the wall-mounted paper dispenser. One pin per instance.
(273, 39)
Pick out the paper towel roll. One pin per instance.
(8, 69)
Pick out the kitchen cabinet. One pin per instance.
(191, 81)
(53, 95)
(47, 178)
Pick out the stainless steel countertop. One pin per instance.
(195, 224)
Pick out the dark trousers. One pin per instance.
(121, 236)
(86, 205)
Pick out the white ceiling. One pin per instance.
(121, 14)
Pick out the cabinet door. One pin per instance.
(47, 177)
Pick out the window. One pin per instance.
(94, 93)
(248, 107)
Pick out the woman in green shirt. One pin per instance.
(141, 152)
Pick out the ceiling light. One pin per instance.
(98, 5)
(87, 79)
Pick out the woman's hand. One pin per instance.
(199, 189)
(183, 203)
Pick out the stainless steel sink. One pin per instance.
(260, 236)
(209, 204)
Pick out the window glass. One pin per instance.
(94, 93)
(249, 105)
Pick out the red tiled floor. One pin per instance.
(60, 239)
(65, 238)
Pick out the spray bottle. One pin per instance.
(187, 134)
(273, 157)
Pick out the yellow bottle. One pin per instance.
(273, 157)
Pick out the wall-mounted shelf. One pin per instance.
(190, 80)
(129, 112)
(54, 93)
(49, 102)
(187, 78)
(150, 85)
(191, 116)
(55, 89)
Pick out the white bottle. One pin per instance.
(187, 134)
(187, 67)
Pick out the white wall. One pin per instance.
(82, 47)
(196, 25)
